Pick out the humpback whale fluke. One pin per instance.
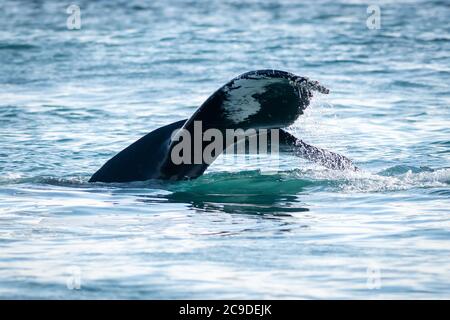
(259, 100)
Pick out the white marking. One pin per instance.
(240, 104)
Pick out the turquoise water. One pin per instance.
(70, 99)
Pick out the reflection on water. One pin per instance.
(245, 192)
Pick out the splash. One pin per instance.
(365, 181)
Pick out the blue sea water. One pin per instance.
(71, 99)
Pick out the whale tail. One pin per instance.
(141, 160)
(259, 100)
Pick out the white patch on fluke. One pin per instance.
(239, 104)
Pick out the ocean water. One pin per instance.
(71, 99)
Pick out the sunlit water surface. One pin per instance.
(71, 99)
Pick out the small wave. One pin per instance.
(410, 84)
(396, 178)
(248, 182)
(17, 178)
(256, 183)
(16, 46)
(10, 178)
(402, 169)
(290, 182)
